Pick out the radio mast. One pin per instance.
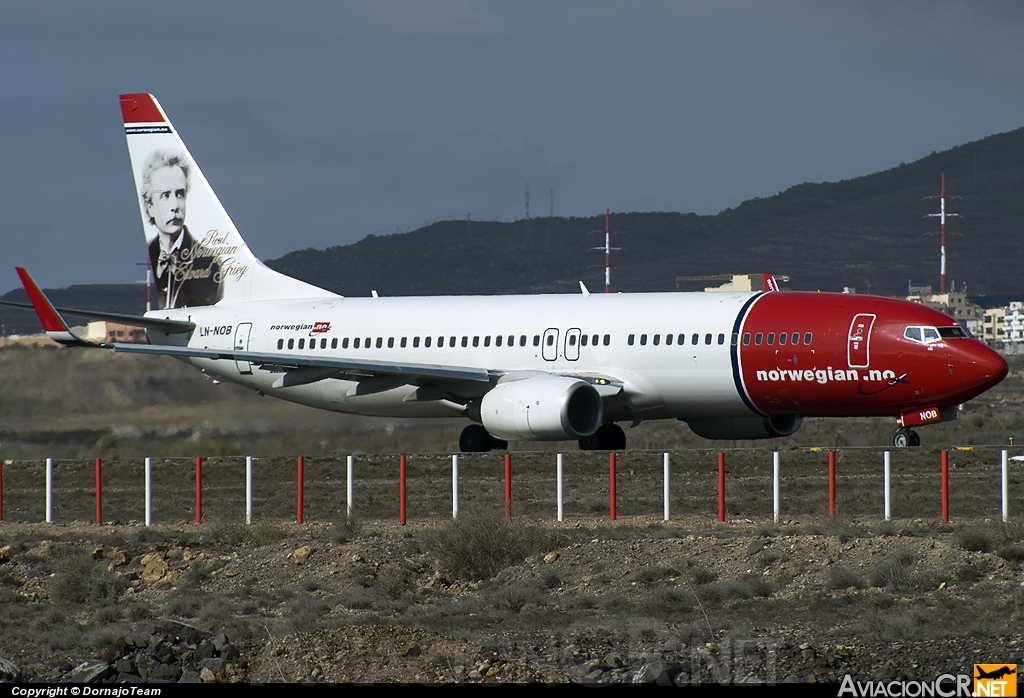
(942, 216)
(607, 252)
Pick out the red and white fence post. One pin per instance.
(1006, 487)
(49, 490)
(775, 487)
(664, 485)
(558, 487)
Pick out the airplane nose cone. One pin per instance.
(983, 367)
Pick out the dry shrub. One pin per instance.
(1012, 553)
(845, 578)
(899, 572)
(974, 539)
(475, 546)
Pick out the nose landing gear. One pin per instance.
(905, 438)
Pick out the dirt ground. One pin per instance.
(690, 600)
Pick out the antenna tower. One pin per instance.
(942, 216)
(607, 252)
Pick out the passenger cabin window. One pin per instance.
(707, 338)
(323, 343)
(607, 339)
(681, 340)
(291, 343)
(451, 341)
(796, 338)
(302, 344)
(522, 340)
(551, 339)
(344, 343)
(583, 340)
(771, 338)
(405, 341)
(783, 337)
(391, 342)
(643, 340)
(380, 342)
(629, 341)
(807, 337)
(415, 342)
(334, 343)
(280, 344)
(366, 343)
(746, 338)
(657, 339)
(572, 340)
(757, 338)
(487, 341)
(536, 340)
(426, 342)
(595, 338)
(668, 340)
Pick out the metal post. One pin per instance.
(248, 489)
(199, 489)
(349, 475)
(611, 486)
(302, 463)
(49, 490)
(1, 490)
(455, 485)
(945, 485)
(775, 486)
(721, 486)
(149, 491)
(886, 478)
(664, 467)
(1006, 488)
(99, 492)
(558, 485)
(401, 489)
(831, 484)
(508, 486)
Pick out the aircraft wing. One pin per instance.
(54, 323)
(304, 367)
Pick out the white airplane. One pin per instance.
(536, 367)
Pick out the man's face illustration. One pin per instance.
(168, 205)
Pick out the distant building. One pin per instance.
(956, 305)
(737, 282)
(992, 326)
(101, 331)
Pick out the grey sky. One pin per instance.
(320, 122)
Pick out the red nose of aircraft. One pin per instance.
(980, 368)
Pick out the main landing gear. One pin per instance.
(609, 437)
(475, 439)
(906, 437)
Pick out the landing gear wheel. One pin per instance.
(475, 439)
(609, 437)
(905, 438)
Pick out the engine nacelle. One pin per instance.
(544, 408)
(733, 428)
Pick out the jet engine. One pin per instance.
(744, 427)
(543, 408)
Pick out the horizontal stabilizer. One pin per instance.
(162, 324)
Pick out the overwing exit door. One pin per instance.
(572, 344)
(549, 344)
(242, 344)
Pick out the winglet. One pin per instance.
(583, 289)
(54, 325)
(770, 284)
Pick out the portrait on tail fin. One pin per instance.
(186, 273)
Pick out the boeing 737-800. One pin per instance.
(532, 367)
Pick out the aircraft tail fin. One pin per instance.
(770, 284)
(197, 255)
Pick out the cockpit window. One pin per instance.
(927, 335)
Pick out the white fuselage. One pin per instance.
(659, 379)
